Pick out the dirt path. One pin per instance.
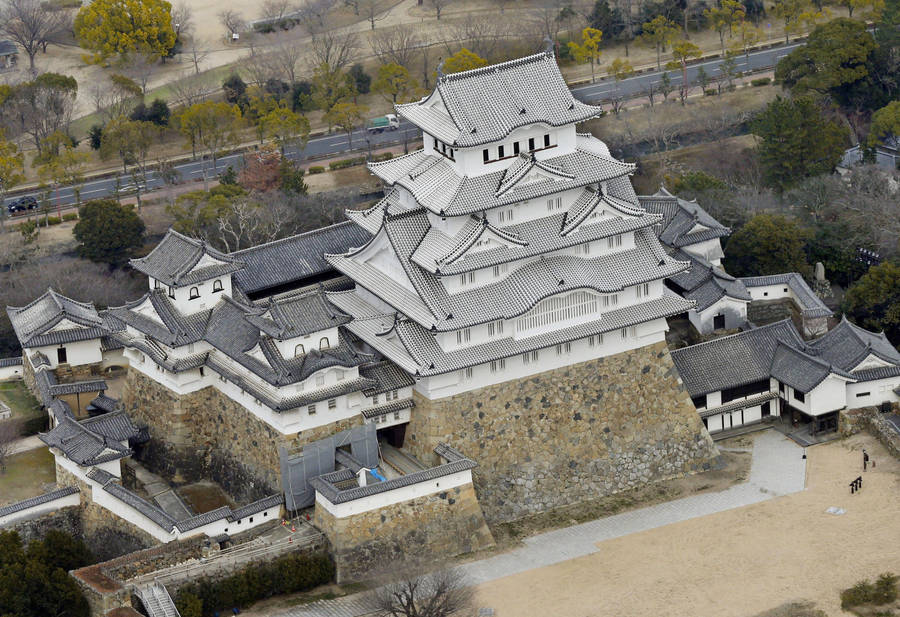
(734, 563)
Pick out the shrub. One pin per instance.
(70, 216)
(344, 163)
(95, 136)
(884, 591)
(53, 220)
(234, 88)
(762, 81)
(710, 92)
(384, 156)
(288, 574)
(315, 169)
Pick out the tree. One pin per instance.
(682, 51)
(196, 212)
(725, 18)
(438, 6)
(439, 594)
(122, 28)
(262, 170)
(234, 88)
(362, 81)
(393, 81)
(334, 49)
(748, 36)
(127, 139)
(768, 244)
(797, 141)
(793, 13)
(286, 127)
(11, 168)
(463, 60)
(329, 87)
(620, 70)
(64, 165)
(874, 300)
(32, 25)
(42, 106)
(214, 125)
(836, 55)
(656, 34)
(872, 8)
(233, 22)
(395, 45)
(589, 48)
(346, 116)
(108, 231)
(182, 19)
(885, 123)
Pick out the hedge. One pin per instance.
(710, 92)
(53, 220)
(344, 163)
(70, 216)
(288, 574)
(315, 169)
(384, 156)
(883, 591)
(762, 81)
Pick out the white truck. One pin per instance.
(390, 122)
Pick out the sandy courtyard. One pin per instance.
(734, 563)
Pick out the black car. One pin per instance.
(22, 204)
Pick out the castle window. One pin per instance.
(547, 140)
(495, 328)
(393, 394)
(558, 308)
(614, 241)
(323, 344)
(299, 350)
(799, 396)
(463, 336)
(498, 365)
(624, 333)
(155, 284)
(593, 341)
(467, 373)
(501, 269)
(339, 375)
(61, 356)
(451, 155)
(375, 399)
(643, 290)
(485, 155)
(530, 356)
(554, 204)
(201, 371)
(396, 415)
(311, 410)
(500, 152)
(515, 147)
(531, 143)
(332, 403)
(217, 286)
(171, 292)
(195, 293)
(435, 143)
(610, 300)
(320, 379)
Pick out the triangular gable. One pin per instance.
(207, 260)
(871, 361)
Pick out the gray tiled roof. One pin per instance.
(8, 48)
(327, 484)
(799, 370)
(257, 506)
(14, 361)
(115, 425)
(810, 304)
(100, 476)
(200, 520)
(154, 513)
(846, 345)
(741, 404)
(173, 329)
(437, 186)
(38, 360)
(297, 315)
(398, 405)
(706, 283)
(82, 445)
(78, 387)
(106, 403)
(299, 257)
(732, 360)
(172, 261)
(879, 372)
(387, 376)
(418, 352)
(19, 506)
(680, 217)
(511, 296)
(33, 321)
(486, 104)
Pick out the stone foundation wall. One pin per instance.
(67, 520)
(205, 435)
(571, 434)
(69, 374)
(763, 312)
(411, 533)
(871, 418)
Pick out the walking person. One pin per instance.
(865, 460)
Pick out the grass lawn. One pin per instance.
(20, 400)
(26, 474)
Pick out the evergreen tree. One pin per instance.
(108, 231)
(768, 244)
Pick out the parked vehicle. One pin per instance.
(22, 204)
(390, 122)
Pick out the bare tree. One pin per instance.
(197, 51)
(233, 22)
(275, 10)
(183, 19)
(140, 68)
(481, 36)
(285, 57)
(335, 49)
(547, 16)
(438, 6)
(10, 431)
(397, 45)
(439, 594)
(31, 25)
(246, 224)
(191, 89)
(371, 10)
(259, 66)
(313, 15)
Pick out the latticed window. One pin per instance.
(557, 309)
(463, 336)
(495, 328)
(498, 365)
(614, 241)
(194, 293)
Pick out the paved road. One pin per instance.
(777, 469)
(335, 144)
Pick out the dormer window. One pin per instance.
(486, 155)
(515, 147)
(500, 152)
(299, 350)
(320, 379)
(217, 286)
(194, 294)
(323, 344)
(546, 140)
(531, 143)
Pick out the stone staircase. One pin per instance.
(157, 600)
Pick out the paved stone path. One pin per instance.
(777, 468)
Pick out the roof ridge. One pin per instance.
(542, 55)
(736, 334)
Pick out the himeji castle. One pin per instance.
(486, 342)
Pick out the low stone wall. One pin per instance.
(571, 434)
(414, 532)
(871, 418)
(67, 520)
